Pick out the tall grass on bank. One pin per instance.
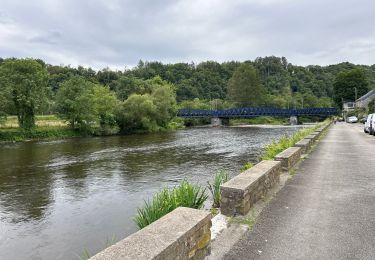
(285, 142)
(220, 178)
(184, 195)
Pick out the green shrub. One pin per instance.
(185, 195)
(220, 178)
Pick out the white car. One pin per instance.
(372, 125)
(352, 119)
(366, 129)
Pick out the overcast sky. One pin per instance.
(118, 33)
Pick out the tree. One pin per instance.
(137, 113)
(75, 102)
(245, 88)
(105, 105)
(347, 83)
(87, 106)
(148, 112)
(164, 99)
(24, 81)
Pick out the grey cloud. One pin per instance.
(51, 37)
(116, 33)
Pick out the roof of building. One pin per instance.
(369, 94)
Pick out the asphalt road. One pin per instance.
(327, 210)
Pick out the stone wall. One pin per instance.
(240, 193)
(182, 234)
(289, 157)
(313, 137)
(305, 145)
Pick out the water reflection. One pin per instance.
(59, 197)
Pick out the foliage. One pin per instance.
(148, 112)
(245, 88)
(247, 166)
(19, 134)
(176, 123)
(346, 83)
(220, 178)
(166, 200)
(260, 120)
(24, 81)
(285, 142)
(86, 106)
(105, 106)
(75, 102)
(267, 81)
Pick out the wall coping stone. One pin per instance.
(248, 178)
(303, 142)
(312, 136)
(159, 237)
(288, 152)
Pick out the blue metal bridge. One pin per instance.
(248, 112)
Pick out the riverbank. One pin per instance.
(39, 133)
(50, 127)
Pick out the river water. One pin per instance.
(61, 198)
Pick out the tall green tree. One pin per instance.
(24, 81)
(105, 104)
(87, 106)
(347, 83)
(245, 88)
(75, 103)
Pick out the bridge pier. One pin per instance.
(215, 121)
(293, 120)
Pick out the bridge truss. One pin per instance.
(248, 112)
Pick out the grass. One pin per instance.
(247, 166)
(220, 178)
(47, 127)
(248, 221)
(285, 142)
(18, 134)
(86, 253)
(260, 120)
(40, 121)
(214, 211)
(185, 195)
(292, 172)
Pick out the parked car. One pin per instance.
(372, 125)
(352, 119)
(363, 120)
(366, 129)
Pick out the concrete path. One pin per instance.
(327, 210)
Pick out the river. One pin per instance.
(61, 198)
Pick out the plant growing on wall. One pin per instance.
(220, 178)
(184, 195)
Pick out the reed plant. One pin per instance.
(185, 194)
(220, 178)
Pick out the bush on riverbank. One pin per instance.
(185, 195)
